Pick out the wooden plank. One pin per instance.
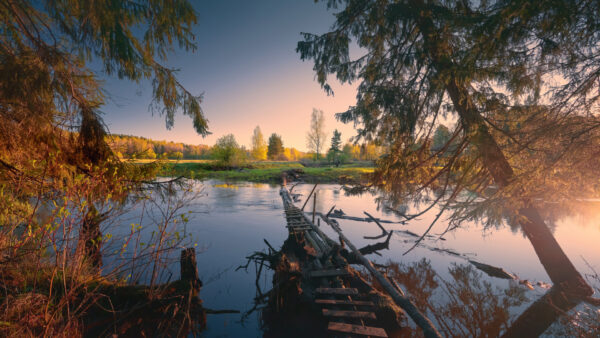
(344, 302)
(338, 291)
(357, 329)
(349, 314)
(329, 273)
(299, 228)
(429, 330)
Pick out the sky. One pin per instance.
(249, 72)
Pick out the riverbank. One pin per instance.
(268, 172)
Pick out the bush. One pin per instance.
(228, 152)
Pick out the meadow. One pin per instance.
(267, 171)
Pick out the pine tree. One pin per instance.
(491, 66)
(336, 141)
(275, 146)
(50, 99)
(334, 150)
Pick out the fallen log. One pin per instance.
(362, 219)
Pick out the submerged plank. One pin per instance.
(357, 329)
(329, 273)
(492, 271)
(338, 291)
(344, 302)
(349, 314)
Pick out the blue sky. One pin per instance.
(249, 72)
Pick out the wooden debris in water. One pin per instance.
(357, 329)
(349, 314)
(492, 271)
(329, 273)
(526, 283)
(405, 303)
(341, 215)
(338, 291)
(344, 302)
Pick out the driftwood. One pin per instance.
(341, 215)
(405, 303)
(383, 231)
(373, 248)
(492, 271)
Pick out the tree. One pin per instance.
(369, 152)
(259, 146)
(275, 146)
(334, 149)
(227, 151)
(336, 141)
(50, 112)
(54, 79)
(440, 137)
(316, 135)
(52, 139)
(348, 151)
(492, 66)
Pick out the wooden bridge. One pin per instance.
(346, 300)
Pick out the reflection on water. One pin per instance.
(233, 220)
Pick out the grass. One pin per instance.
(267, 171)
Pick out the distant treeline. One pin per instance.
(126, 146)
(136, 147)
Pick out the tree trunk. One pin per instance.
(95, 151)
(90, 238)
(567, 280)
(556, 263)
(189, 269)
(91, 138)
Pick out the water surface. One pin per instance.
(231, 221)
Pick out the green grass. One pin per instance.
(268, 171)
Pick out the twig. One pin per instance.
(383, 231)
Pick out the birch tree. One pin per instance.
(259, 146)
(315, 138)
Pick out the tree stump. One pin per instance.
(189, 268)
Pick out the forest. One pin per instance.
(475, 150)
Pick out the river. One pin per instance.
(231, 221)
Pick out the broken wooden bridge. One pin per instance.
(322, 279)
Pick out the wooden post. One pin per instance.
(189, 268)
(308, 198)
(314, 207)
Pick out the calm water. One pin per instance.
(233, 220)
